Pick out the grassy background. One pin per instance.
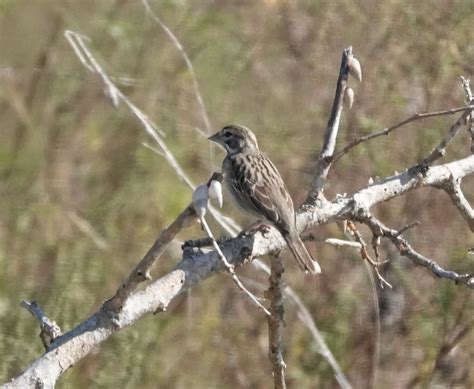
(69, 159)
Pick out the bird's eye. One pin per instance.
(227, 134)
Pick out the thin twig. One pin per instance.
(87, 229)
(49, 329)
(372, 379)
(469, 98)
(230, 268)
(440, 150)
(402, 245)
(77, 42)
(365, 255)
(305, 316)
(154, 149)
(189, 64)
(408, 226)
(388, 130)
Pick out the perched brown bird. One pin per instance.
(258, 188)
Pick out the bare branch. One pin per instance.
(378, 228)
(408, 226)
(469, 97)
(453, 189)
(365, 255)
(386, 131)
(439, 151)
(276, 321)
(49, 329)
(326, 155)
(88, 60)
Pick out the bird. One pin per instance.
(258, 188)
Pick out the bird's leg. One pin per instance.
(258, 226)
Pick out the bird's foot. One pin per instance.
(258, 226)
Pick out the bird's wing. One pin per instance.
(266, 192)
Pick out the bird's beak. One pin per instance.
(215, 137)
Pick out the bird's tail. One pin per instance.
(306, 262)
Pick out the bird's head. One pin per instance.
(235, 139)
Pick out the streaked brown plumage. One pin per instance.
(258, 188)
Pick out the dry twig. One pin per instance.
(469, 98)
(379, 229)
(365, 255)
(326, 155)
(453, 189)
(440, 150)
(276, 321)
(49, 329)
(388, 130)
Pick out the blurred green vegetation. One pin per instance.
(82, 199)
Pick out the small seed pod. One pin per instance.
(348, 97)
(215, 192)
(200, 200)
(355, 69)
